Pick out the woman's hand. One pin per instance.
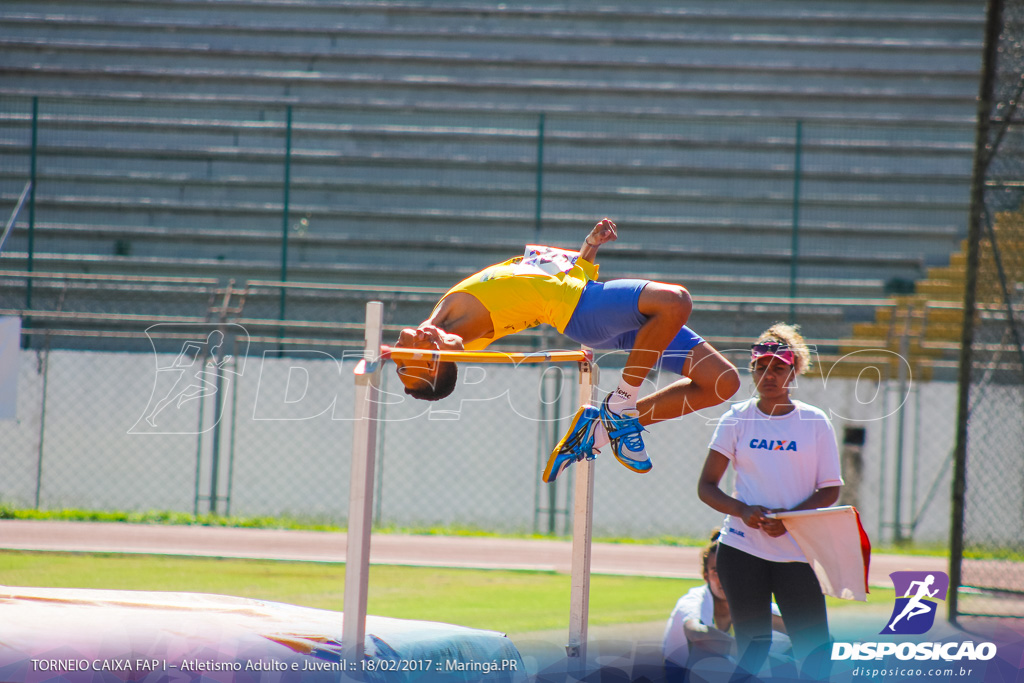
(774, 527)
(754, 516)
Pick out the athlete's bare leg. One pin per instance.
(709, 379)
(667, 308)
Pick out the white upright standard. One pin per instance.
(364, 452)
(360, 500)
(582, 527)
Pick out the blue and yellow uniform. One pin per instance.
(519, 296)
(601, 315)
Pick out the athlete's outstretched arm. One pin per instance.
(604, 232)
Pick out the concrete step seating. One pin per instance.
(414, 137)
(954, 72)
(780, 99)
(926, 328)
(228, 186)
(443, 273)
(861, 146)
(852, 58)
(861, 28)
(73, 310)
(950, 77)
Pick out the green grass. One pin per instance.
(500, 600)
(167, 517)
(514, 602)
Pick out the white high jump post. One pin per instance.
(360, 500)
(582, 528)
(361, 487)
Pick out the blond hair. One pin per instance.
(789, 335)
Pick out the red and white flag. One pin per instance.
(836, 546)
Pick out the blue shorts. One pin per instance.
(608, 317)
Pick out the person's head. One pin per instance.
(778, 357)
(709, 559)
(428, 380)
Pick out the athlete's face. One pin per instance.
(772, 377)
(420, 374)
(711, 577)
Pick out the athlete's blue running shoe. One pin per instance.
(624, 435)
(578, 443)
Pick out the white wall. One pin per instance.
(474, 459)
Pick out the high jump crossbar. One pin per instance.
(389, 353)
(361, 485)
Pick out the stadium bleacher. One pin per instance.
(414, 148)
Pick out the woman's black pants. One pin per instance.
(749, 583)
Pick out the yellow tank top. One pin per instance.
(519, 297)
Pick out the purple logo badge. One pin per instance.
(917, 594)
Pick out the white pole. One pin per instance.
(360, 505)
(582, 531)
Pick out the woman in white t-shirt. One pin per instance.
(700, 624)
(785, 457)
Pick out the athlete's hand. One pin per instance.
(423, 337)
(430, 335)
(603, 232)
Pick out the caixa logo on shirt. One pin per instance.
(773, 444)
